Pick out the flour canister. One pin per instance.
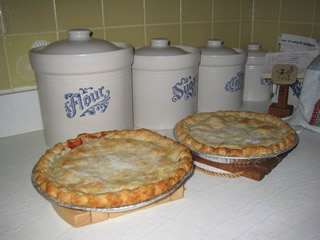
(221, 76)
(256, 88)
(84, 85)
(165, 80)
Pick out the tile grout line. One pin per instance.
(18, 90)
(240, 25)
(5, 49)
(55, 18)
(212, 17)
(155, 24)
(180, 22)
(279, 21)
(252, 21)
(195, 22)
(313, 17)
(3, 29)
(103, 26)
(144, 22)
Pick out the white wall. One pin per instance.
(19, 113)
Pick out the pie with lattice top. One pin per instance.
(236, 133)
(112, 168)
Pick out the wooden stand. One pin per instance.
(78, 218)
(281, 109)
(284, 75)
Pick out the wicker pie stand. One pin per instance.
(255, 168)
(256, 171)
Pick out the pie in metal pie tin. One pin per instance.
(235, 159)
(114, 209)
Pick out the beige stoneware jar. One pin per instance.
(256, 88)
(221, 76)
(84, 85)
(165, 81)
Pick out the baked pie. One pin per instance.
(112, 168)
(236, 134)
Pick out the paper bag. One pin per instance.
(307, 112)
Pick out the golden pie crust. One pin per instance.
(112, 168)
(235, 133)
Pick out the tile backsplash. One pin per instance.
(28, 24)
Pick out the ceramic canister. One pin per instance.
(256, 88)
(221, 76)
(84, 85)
(165, 80)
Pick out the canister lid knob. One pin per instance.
(215, 43)
(254, 46)
(79, 34)
(215, 48)
(160, 47)
(159, 42)
(254, 51)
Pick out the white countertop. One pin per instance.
(284, 205)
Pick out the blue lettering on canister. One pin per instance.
(186, 88)
(265, 82)
(235, 84)
(87, 101)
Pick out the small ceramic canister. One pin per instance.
(256, 88)
(221, 76)
(165, 80)
(84, 85)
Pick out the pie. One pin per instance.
(112, 168)
(235, 133)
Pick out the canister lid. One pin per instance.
(215, 48)
(79, 41)
(160, 47)
(254, 50)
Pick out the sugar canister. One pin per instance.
(165, 82)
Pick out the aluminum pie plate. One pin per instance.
(115, 209)
(233, 159)
(210, 168)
